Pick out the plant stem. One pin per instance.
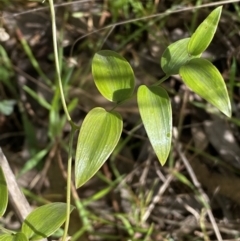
(69, 177)
(73, 125)
(57, 65)
(161, 80)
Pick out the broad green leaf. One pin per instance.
(156, 113)
(44, 221)
(203, 77)
(13, 237)
(19, 237)
(175, 56)
(6, 237)
(203, 35)
(99, 135)
(3, 193)
(113, 75)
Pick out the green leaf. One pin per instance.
(44, 221)
(175, 56)
(6, 237)
(99, 135)
(13, 237)
(6, 107)
(35, 160)
(3, 193)
(203, 35)
(20, 237)
(40, 99)
(203, 77)
(30, 134)
(156, 113)
(113, 75)
(6, 71)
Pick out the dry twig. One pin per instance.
(200, 190)
(18, 201)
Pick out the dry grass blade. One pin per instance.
(200, 190)
(157, 198)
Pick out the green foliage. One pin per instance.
(44, 221)
(6, 71)
(156, 113)
(101, 129)
(203, 77)
(114, 79)
(20, 237)
(175, 56)
(6, 237)
(203, 36)
(13, 237)
(3, 193)
(6, 107)
(33, 60)
(99, 135)
(34, 161)
(113, 76)
(38, 98)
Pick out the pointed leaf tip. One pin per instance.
(98, 136)
(203, 35)
(156, 113)
(203, 77)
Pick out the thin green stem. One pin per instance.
(73, 125)
(156, 84)
(161, 80)
(69, 179)
(122, 102)
(57, 65)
